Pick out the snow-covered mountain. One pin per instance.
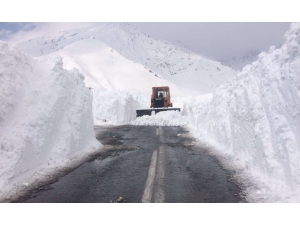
(106, 69)
(238, 63)
(116, 56)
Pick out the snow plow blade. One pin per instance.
(143, 112)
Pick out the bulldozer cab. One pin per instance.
(160, 97)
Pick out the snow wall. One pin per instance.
(117, 107)
(256, 119)
(45, 116)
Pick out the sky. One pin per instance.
(215, 40)
(219, 41)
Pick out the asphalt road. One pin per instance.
(144, 164)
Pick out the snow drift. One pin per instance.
(45, 116)
(255, 119)
(167, 118)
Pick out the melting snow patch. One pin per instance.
(167, 118)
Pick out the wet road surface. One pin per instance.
(144, 164)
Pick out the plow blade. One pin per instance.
(149, 112)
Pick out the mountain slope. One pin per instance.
(106, 69)
(166, 60)
(238, 63)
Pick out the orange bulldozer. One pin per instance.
(160, 101)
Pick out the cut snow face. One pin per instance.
(116, 107)
(255, 119)
(45, 116)
(166, 118)
(112, 56)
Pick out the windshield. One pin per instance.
(161, 94)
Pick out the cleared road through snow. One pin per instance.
(144, 164)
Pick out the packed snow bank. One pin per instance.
(45, 116)
(116, 107)
(166, 118)
(255, 119)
